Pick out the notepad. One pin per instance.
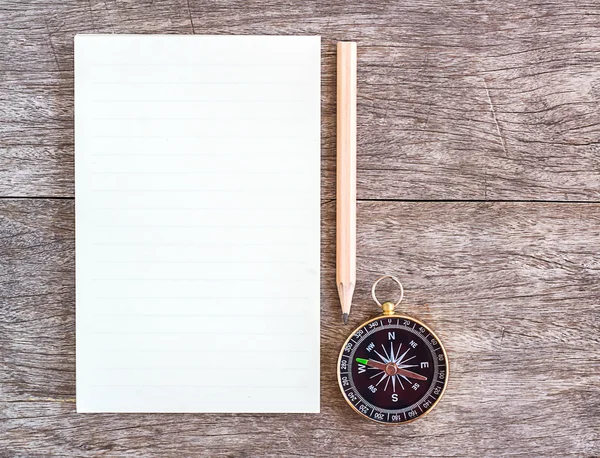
(197, 190)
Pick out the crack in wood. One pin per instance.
(502, 142)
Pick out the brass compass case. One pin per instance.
(393, 368)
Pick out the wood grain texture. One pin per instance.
(511, 288)
(457, 99)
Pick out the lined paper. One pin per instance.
(197, 180)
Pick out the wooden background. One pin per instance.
(479, 185)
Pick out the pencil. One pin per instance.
(346, 175)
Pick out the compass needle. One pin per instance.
(374, 364)
(408, 363)
(406, 373)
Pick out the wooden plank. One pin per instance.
(456, 100)
(512, 289)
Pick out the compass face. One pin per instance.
(393, 369)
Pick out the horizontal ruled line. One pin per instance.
(202, 208)
(270, 263)
(193, 118)
(268, 387)
(202, 279)
(245, 191)
(236, 101)
(199, 64)
(176, 226)
(193, 315)
(190, 244)
(198, 136)
(189, 298)
(198, 154)
(200, 297)
(204, 367)
(187, 350)
(189, 172)
(200, 333)
(195, 279)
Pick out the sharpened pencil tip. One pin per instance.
(345, 318)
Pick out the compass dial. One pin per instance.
(393, 369)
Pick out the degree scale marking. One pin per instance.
(367, 332)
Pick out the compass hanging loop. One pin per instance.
(388, 307)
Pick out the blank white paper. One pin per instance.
(197, 186)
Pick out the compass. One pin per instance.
(393, 368)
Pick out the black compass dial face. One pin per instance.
(393, 369)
